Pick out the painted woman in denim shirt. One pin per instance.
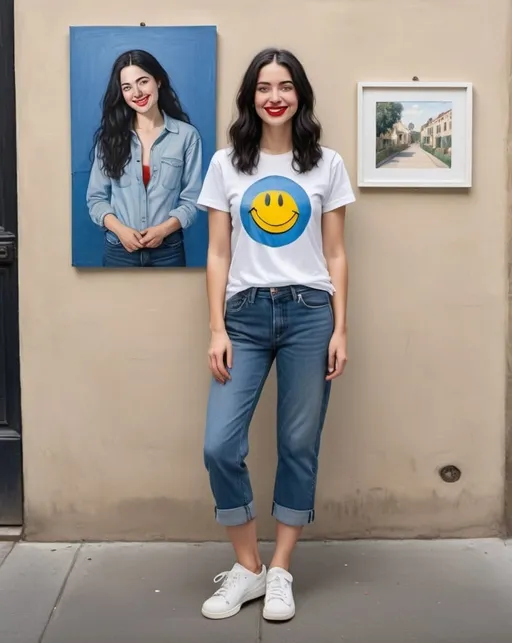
(277, 288)
(146, 172)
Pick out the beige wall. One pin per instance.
(114, 369)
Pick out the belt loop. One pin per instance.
(294, 293)
(252, 295)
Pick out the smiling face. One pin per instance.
(275, 100)
(140, 89)
(274, 211)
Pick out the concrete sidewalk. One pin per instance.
(350, 592)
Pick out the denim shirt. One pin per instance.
(173, 189)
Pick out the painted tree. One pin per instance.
(387, 115)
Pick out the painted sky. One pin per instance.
(419, 112)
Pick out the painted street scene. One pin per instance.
(413, 135)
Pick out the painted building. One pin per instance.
(399, 134)
(437, 132)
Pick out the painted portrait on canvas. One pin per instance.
(143, 132)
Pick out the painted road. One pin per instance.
(413, 158)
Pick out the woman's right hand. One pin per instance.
(130, 238)
(220, 355)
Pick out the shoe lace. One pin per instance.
(229, 580)
(277, 589)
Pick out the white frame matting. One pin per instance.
(459, 175)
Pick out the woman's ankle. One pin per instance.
(245, 543)
(253, 565)
(283, 562)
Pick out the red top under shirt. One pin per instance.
(146, 174)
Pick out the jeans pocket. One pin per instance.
(235, 303)
(314, 298)
(173, 241)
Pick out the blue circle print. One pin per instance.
(275, 211)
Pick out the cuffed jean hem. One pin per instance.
(292, 517)
(236, 516)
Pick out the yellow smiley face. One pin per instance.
(274, 211)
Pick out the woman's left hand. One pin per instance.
(153, 237)
(337, 355)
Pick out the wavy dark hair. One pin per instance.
(113, 137)
(245, 132)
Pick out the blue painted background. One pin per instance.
(189, 55)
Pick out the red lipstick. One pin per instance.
(275, 111)
(143, 101)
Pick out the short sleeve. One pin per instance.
(213, 191)
(339, 191)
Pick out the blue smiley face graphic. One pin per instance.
(275, 211)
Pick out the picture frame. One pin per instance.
(415, 134)
(187, 56)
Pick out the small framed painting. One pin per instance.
(415, 134)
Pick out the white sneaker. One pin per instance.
(240, 585)
(279, 603)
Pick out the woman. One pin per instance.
(146, 172)
(277, 289)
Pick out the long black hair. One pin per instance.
(245, 132)
(113, 137)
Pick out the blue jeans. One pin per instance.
(292, 325)
(171, 253)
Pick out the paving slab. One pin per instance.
(5, 548)
(31, 579)
(148, 592)
(455, 591)
(400, 592)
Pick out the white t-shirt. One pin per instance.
(276, 214)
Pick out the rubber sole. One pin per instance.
(253, 596)
(277, 617)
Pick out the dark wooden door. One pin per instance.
(11, 500)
